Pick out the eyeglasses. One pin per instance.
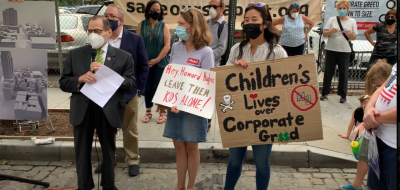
(294, 4)
(214, 6)
(256, 4)
(112, 17)
(97, 31)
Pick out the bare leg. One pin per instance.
(193, 153)
(362, 169)
(181, 163)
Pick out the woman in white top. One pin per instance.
(338, 49)
(259, 44)
(293, 36)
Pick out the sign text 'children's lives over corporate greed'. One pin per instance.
(268, 102)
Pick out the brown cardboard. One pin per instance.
(265, 102)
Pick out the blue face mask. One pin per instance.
(181, 32)
(342, 13)
(113, 24)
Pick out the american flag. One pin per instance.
(387, 95)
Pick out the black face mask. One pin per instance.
(252, 30)
(155, 15)
(390, 21)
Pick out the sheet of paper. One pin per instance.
(108, 82)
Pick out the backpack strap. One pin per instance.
(220, 28)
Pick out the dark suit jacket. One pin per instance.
(133, 44)
(77, 64)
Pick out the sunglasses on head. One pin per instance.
(255, 4)
(214, 6)
(294, 4)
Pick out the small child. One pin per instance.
(376, 77)
(355, 127)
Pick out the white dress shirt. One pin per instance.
(117, 42)
(260, 55)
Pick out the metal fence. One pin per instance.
(71, 33)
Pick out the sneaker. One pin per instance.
(349, 187)
(342, 100)
(133, 170)
(323, 97)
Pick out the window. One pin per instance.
(102, 10)
(83, 10)
(85, 21)
(93, 10)
(68, 22)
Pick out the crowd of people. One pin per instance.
(145, 56)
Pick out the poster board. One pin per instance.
(190, 89)
(135, 9)
(367, 13)
(268, 102)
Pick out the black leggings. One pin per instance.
(293, 51)
(342, 60)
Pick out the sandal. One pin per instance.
(147, 117)
(162, 118)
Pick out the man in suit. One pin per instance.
(85, 115)
(133, 44)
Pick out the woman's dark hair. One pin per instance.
(147, 10)
(270, 34)
(291, 7)
(391, 12)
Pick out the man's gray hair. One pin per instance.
(120, 10)
(106, 23)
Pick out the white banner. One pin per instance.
(188, 88)
(367, 13)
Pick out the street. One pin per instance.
(163, 176)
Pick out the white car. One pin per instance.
(362, 48)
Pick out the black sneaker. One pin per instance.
(342, 100)
(323, 97)
(209, 125)
(133, 170)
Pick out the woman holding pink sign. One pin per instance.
(260, 43)
(186, 129)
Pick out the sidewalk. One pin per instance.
(163, 177)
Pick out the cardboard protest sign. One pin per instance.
(188, 88)
(268, 102)
(134, 9)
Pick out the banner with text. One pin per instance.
(367, 13)
(268, 102)
(188, 88)
(278, 8)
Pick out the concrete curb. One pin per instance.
(296, 155)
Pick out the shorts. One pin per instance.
(186, 127)
(387, 167)
(363, 150)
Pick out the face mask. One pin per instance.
(252, 30)
(342, 13)
(390, 21)
(181, 32)
(95, 40)
(155, 15)
(294, 15)
(113, 24)
(213, 12)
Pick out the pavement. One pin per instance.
(332, 151)
(163, 176)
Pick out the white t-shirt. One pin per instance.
(388, 101)
(337, 42)
(202, 58)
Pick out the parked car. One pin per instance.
(317, 44)
(73, 29)
(63, 11)
(88, 9)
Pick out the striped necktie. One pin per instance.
(99, 57)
